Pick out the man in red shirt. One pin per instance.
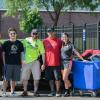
(52, 47)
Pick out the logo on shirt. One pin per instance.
(14, 49)
(48, 45)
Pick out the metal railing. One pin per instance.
(88, 41)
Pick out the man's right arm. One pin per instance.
(3, 52)
(3, 56)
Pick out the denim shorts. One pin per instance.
(64, 64)
(11, 72)
(53, 72)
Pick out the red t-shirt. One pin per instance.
(52, 51)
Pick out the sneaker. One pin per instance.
(66, 94)
(58, 95)
(24, 93)
(51, 94)
(4, 94)
(13, 94)
(36, 94)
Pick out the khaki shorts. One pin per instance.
(33, 67)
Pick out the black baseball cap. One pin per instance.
(51, 29)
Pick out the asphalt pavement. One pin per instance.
(43, 96)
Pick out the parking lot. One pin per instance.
(43, 96)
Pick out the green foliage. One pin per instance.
(67, 4)
(31, 20)
(13, 6)
(63, 5)
(28, 18)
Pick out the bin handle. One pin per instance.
(96, 65)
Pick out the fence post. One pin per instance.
(84, 37)
(41, 32)
(73, 39)
(0, 22)
(63, 28)
(98, 35)
(45, 32)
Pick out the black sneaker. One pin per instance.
(51, 94)
(36, 94)
(24, 93)
(66, 94)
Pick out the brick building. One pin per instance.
(77, 18)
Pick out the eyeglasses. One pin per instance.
(12, 33)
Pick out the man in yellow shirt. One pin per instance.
(33, 49)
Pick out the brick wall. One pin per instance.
(77, 18)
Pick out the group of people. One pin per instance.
(21, 58)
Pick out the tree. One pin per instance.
(28, 18)
(55, 5)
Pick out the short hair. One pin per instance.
(12, 29)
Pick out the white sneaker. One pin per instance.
(4, 94)
(58, 95)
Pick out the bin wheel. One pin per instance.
(80, 93)
(93, 94)
(72, 93)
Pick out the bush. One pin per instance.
(31, 19)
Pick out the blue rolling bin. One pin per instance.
(86, 75)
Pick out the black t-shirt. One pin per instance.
(1, 61)
(0, 52)
(13, 52)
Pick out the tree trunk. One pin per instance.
(54, 17)
(55, 22)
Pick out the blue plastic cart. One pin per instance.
(86, 76)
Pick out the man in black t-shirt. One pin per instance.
(12, 52)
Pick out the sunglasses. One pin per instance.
(34, 33)
(12, 33)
